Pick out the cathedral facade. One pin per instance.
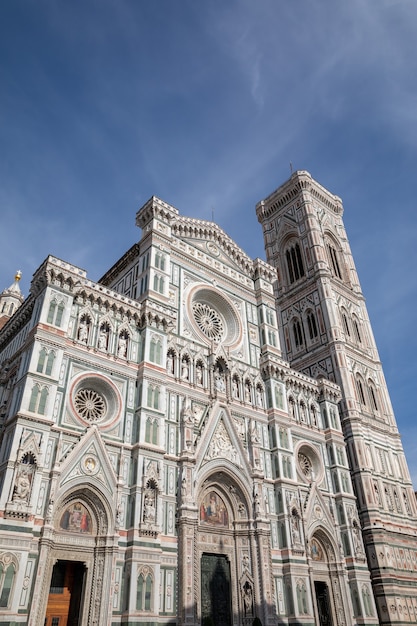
(203, 438)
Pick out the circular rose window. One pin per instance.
(95, 400)
(213, 316)
(90, 405)
(208, 321)
(309, 463)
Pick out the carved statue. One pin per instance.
(22, 487)
(121, 351)
(102, 340)
(83, 331)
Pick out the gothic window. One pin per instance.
(333, 418)
(145, 261)
(345, 483)
(160, 261)
(295, 264)
(334, 261)
(330, 454)
(346, 544)
(158, 283)
(335, 479)
(372, 395)
(312, 325)
(297, 333)
(45, 362)
(356, 603)
(302, 598)
(361, 394)
(151, 432)
(155, 350)
(37, 403)
(340, 455)
(341, 514)
(345, 323)
(356, 330)
(143, 284)
(366, 597)
(270, 317)
(286, 467)
(283, 437)
(144, 592)
(272, 338)
(55, 313)
(153, 396)
(7, 575)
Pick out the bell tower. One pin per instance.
(326, 333)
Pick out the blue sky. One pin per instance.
(205, 104)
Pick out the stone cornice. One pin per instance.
(120, 265)
(155, 208)
(288, 192)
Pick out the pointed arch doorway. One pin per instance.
(323, 570)
(65, 594)
(216, 601)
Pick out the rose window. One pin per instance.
(208, 321)
(305, 464)
(90, 405)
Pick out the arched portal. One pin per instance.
(76, 555)
(325, 580)
(218, 562)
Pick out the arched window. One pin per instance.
(297, 333)
(334, 261)
(155, 350)
(356, 330)
(158, 283)
(153, 397)
(45, 362)
(7, 574)
(55, 313)
(302, 598)
(151, 432)
(345, 323)
(367, 603)
(356, 603)
(37, 403)
(41, 360)
(295, 263)
(373, 395)
(361, 394)
(312, 325)
(144, 592)
(160, 261)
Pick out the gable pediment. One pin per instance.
(88, 462)
(212, 244)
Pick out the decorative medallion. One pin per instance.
(90, 465)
